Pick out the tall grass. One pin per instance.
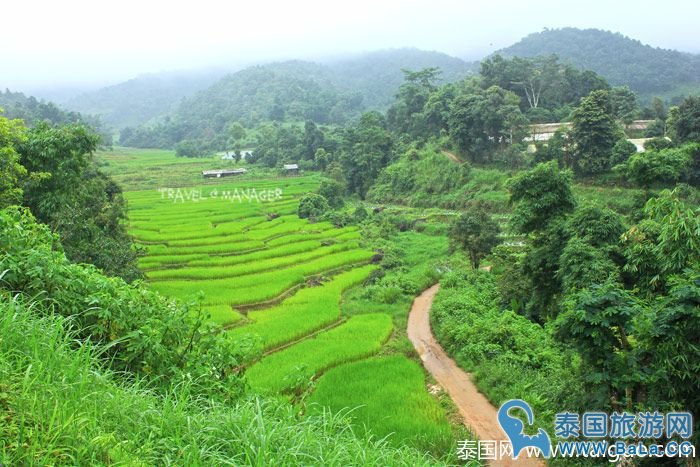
(58, 407)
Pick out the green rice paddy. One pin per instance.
(264, 273)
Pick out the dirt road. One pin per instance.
(478, 413)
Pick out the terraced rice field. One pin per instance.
(237, 252)
(264, 273)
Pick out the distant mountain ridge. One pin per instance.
(371, 77)
(367, 81)
(377, 75)
(141, 99)
(645, 69)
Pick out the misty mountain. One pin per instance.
(646, 70)
(377, 75)
(293, 90)
(366, 81)
(141, 99)
(326, 93)
(17, 105)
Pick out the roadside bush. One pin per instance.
(511, 357)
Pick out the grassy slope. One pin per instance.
(57, 407)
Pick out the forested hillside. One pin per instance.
(16, 105)
(377, 75)
(141, 99)
(622, 61)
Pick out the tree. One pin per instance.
(594, 133)
(312, 206)
(12, 173)
(545, 86)
(406, 114)
(599, 226)
(659, 109)
(664, 243)
(313, 139)
(541, 195)
(366, 150)
(69, 193)
(475, 232)
(236, 132)
(651, 168)
(624, 104)
(542, 198)
(482, 121)
(622, 151)
(684, 120)
(598, 321)
(671, 343)
(592, 254)
(582, 264)
(332, 190)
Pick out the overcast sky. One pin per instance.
(63, 42)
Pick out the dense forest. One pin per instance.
(646, 70)
(545, 89)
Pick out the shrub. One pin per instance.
(332, 190)
(312, 206)
(657, 167)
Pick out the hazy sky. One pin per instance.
(62, 42)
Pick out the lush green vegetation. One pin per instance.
(621, 60)
(297, 286)
(139, 331)
(51, 170)
(18, 106)
(175, 350)
(60, 406)
(509, 355)
(294, 91)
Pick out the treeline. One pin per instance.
(486, 124)
(291, 91)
